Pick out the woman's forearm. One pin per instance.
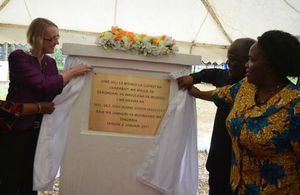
(205, 95)
(37, 108)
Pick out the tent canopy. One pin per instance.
(202, 27)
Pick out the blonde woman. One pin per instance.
(33, 78)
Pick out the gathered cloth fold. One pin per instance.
(53, 133)
(171, 165)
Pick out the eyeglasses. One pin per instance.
(53, 39)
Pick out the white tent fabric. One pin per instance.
(206, 23)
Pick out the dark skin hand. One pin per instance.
(185, 82)
(205, 95)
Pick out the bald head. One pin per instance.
(238, 56)
(242, 46)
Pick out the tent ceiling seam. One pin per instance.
(201, 26)
(4, 4)
(194, 40)
(291, 6)
(214, 16)
(27, 10)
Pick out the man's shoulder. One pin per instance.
(215, 70)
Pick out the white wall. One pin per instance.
(4, 71)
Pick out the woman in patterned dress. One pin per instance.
(264, 122)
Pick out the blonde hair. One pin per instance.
(36, 32)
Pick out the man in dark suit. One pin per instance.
(219, 158)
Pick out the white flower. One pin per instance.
(168, 41)
(132, 42)
(156, 51)
(117, 45)
(108, 35)
(125, 39)
(161, 43)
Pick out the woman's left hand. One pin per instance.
(80, 70)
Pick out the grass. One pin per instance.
(293, 79)
(205, 118)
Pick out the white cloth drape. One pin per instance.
(54, 130)
(171, 165)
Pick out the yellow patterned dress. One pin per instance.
(265, 139)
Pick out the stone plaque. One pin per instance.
(127, 104)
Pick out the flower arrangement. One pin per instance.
(141, 44)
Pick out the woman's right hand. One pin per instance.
(76, 71)
(80, 70)
(194, 91)
(205, 95)
(47, 107)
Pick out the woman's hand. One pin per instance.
(37, 108)
(76, 71)
(205, 95)
(47, 107)
(194, 91)
(80, 70)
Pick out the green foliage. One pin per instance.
(23, 47)
(59, 58)
(3, 90)
(293, 79)
(57, 55)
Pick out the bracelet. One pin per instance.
(39, 107)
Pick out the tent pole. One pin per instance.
(28, 12)
(214, 16)
(115, 12)
(4, 4)
(191, 48)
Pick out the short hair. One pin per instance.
(282, 51)
(36, 31)
(246, 44)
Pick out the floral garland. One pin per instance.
(141, 44)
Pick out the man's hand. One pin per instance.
(185, 82)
